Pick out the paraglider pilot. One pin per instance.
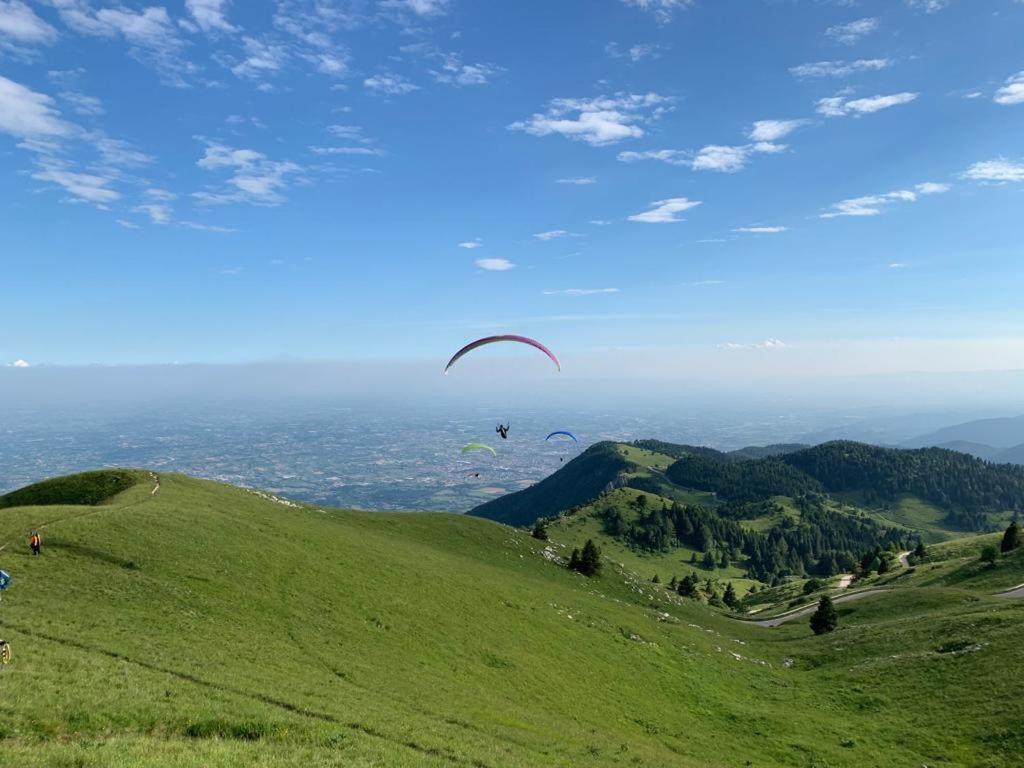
(35, 543)
(502, 429)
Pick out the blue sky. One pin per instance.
(735, 185)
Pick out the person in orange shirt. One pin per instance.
(35, 542)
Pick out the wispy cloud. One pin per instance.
(88, 106)
(662, 9)
(474, 243)
(159, 213)
(205, 227)
(850, 33)
(699, 283)
(714, 157)
(19, 22)
(761, 230)
(210, 15)
(773, 130)
(495, 265)
(766, 344)
(1013, 92)
(665, 211)
(998, 171)
(578, 180)
(840, 68)
(873, 205)
(390, 84)
(580, 291)
(362, 151)
(553, 234)
(597, 121)
(897, 265)
(929, 6)
(19, 364)
(26, 114)
(254, 178)
(839, 106)
(419, 7)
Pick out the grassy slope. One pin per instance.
(573, 531)
(307, 638)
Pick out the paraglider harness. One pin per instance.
(502, 429)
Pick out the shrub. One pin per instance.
(812, 585)
(825, 619)
(989, 554)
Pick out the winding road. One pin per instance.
(807, 610)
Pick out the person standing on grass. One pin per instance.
(35, 542)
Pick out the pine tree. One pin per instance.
(655, 580)
(540, 531)
(574, 560)
(989, 554)
(825, 619)
(709, 561)
(883, 565)
(674, 583)
(724, 562)
(730, 598)
(920, 553)
(1011, 539)
(590, 559)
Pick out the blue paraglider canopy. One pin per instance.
(564, 434)
(5, 579)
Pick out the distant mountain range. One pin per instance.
(966, 494)
(999, 440)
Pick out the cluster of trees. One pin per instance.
(742, 481)
(586, 561)
(690, 586)
(822, 543)
(969, 488)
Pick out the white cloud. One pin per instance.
(127, 224)
(840, 68)
(471, 244)
(929, 6)
(999, 170)
(579, 181)
(86, 187)
(699, 283)
(897, 265)
(151, 33)
(838, 106)
(714, 157)
(873, 205)
(89, 106)
(205, 227)
(119, 153)
(551, 235)
(346, 151)
(580, 291)
(209, 15)
(454, 72)
(766, 344)
(155, 193)
(1011, 93)
(260, 59)
(391, 84)
(599, 222)
(255, 179)
(19, 22)
(642, 51)
(850, 33)
(773, 130)
(662, 9)
(27, 114)
(761, 230)
(419, 7)
(159, 213)
(494, 265)
(664, 211)
(597, 121)
(19, 364)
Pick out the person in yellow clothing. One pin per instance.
(35, 542)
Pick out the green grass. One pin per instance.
(89, 488)
(645, 458)
(207, 626)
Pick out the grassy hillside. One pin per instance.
(579, 481)
(87, 488)
(212, 626)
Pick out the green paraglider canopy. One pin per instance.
(479, 447)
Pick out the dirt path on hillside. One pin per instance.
(905, 559)
(807, 610)
(845, 581)
(1017, 591)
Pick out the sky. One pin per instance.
(658, 187)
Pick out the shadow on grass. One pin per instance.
(92, 553)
